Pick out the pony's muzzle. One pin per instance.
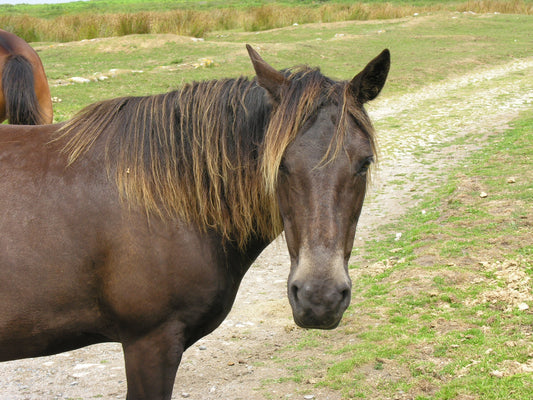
(318, 305)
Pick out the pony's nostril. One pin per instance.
(293, 291)
(346, 295)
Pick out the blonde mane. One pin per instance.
(208, 153)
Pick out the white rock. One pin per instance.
(79, 79)
(80, 374)
(84, 366)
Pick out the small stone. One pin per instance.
(202, 348)
(483, 195)
(79, 79)
(231, 363)
(511, 179)
(497, 374)
(309, 396)
(185, 395)
(523, 307)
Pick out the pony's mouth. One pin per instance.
(309, 320)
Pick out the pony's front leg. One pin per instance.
(152, 362)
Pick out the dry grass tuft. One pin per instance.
(198, 23)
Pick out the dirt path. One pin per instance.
(243, 359)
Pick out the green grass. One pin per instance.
(132, 6)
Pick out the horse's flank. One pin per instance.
(208, 153)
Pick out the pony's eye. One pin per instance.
(283, 168)
(363, 168)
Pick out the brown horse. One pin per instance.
(136, 221)
(24, 92)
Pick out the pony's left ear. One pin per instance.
(367, 84)
(268, 77)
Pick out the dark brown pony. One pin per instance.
(24, 92)
(136, 221)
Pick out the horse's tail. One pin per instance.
(22, 107)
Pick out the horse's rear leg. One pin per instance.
(152, 362)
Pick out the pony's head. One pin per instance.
(317, 151)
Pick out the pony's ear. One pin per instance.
(268, 77)
(367, 84)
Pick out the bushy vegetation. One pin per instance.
(88, 20)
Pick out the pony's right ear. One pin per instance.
(268, 77)
(368, 83)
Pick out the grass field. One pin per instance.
(443, 311)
